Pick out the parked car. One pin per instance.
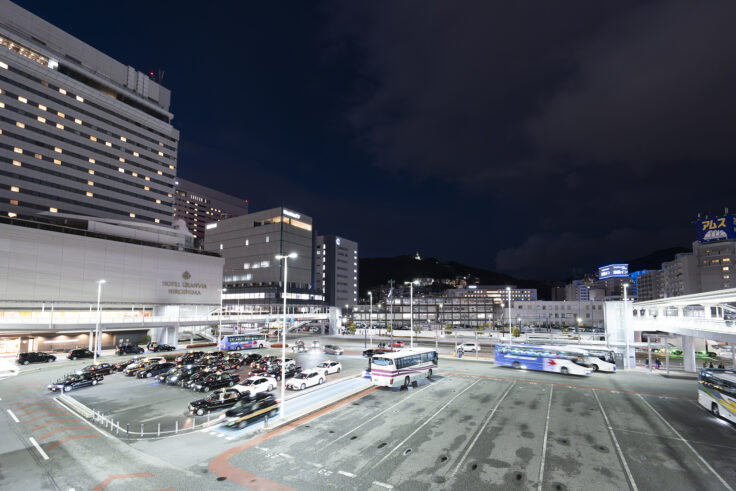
(126, 363)
(75, 381)
(80, 353)
(181, 374)
(163, 347)
(101, 368)
(252, 358)
(307, 378)
(134, 368)
(216, 381)
(290, 370)
(256, 384)
(221, 399)
(129, 349)
(469, 347)
(34, 357)
(189, 358)
(155, 369)
(195, 378)
(299, 348)
(332, 349)
(250, 409)
(397, 344)
(329, 367)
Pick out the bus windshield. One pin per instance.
(382, 361)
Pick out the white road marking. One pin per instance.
(219, 435)
(261, 448)
(424, 424)
(546, 432)
(382, 412)
(315, 464)
(725, 484)
(482, 428)
(38, 447)
(286, 456)
(383, 485)
(348, 474)
(229, 438)
(615, 442)
(12, 415)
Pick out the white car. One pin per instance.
(307, 378)
(329, 367)
(469, 347)
(254, 385)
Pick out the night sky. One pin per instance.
(525, 137)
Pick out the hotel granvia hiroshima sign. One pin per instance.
(184, 287)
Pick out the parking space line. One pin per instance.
(383, 412)
(672, 428)
(423, 424)
(12, 415)
(286, 456)
(38, 447)
(544, 445)
(615, 442)
(318, 466)
(383, 485)
(347, 474)
(481, 429)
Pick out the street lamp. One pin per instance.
(411, 308)
(370, 319)
(626, 332)
(283, 330)
(99, 320)
(508, 291)
(219, 326)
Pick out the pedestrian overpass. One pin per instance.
(708, 315)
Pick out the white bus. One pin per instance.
(560, 359)
(717, 392)
(400, 368)
(599, 358)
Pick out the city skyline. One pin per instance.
(469, 147)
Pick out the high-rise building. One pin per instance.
(336, 270)
(199, 205)
(80, 133)
(680, 276)
(650, 285)
(252, 274)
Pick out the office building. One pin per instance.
(336, 270)
(199, 205)
(252, 274)
(80, 133)
(583, 313)
(680, 276)
(650, 285)
(715, 253)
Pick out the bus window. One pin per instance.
(382, 361)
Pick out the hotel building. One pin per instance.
(336, 270)
(199, 205)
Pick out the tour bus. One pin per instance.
(400, 368)
(243, 341)
(599, 358)
(717, 392)
(560, 359)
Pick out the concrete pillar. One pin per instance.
(688, 354)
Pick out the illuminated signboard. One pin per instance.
(717, 228)
(292, 214)
(613, 271)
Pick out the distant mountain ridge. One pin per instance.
(655, 259)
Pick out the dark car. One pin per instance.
(189, 358)
(216, 381)
(275, 371)
(250, 409)
(132, 369)
(80, 353)
(252, 358)
(196, 378)
(163, 347)
(126, 363)
(181, 375)
(154, 369)
(161, 377)
(26, 358)
(129, 349)
(101, 368)
(221, 399)
(75, 381)
(263, 364)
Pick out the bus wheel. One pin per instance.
(594, 367)
(415, 384)
(517, 364)
(406, 382)
(260, 346)
(242, 424)
(564, 371)
(714, 410)
(429, 375)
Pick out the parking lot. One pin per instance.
(133, 402)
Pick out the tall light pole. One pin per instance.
(370, 317)
(99, 320)
(508, 291)
(411, 310)
(283, 330)
(219, 326)
(626, 333)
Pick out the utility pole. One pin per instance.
(391, 310)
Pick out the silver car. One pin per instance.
(332, 349)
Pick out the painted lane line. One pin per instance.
(318, 466)
(38, 447)
(228, 438)
(424, 424)
(382, 412)
(261, 448)
(286, 456)
(15, 418)
(482, 428)
(544, 445)
(103, 433)
(672, 428)
(632, 483)
(347, 474)
(383, 485)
